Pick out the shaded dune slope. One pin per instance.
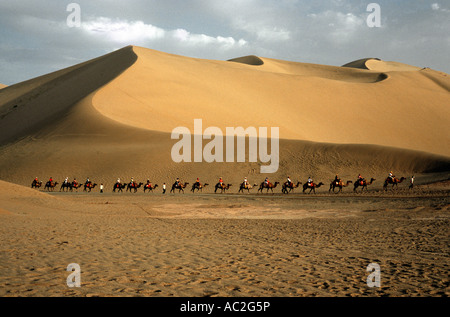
(43, 100)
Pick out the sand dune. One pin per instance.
(308, 102)
(2, 86)
(112, 117)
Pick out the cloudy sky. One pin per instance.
(36, 38)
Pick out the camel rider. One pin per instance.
(221, 182)
(197, 182)
(266, 181)
(118, 181)
(75, 183)
(66, 180)
(177, 182)
(289, 182)
(133, 182)
(391, 176)
(36, 180)
(88, 182)
(51, 181)
(337, 180)
(310, 181)
(360, 179)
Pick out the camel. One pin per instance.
(50, 186)
(89, 186)
(198, 187)
(149, 187)
(394, 181)
(312, 187)
(119, 187)
(36, 184)
(339, 184)
(363, 184)
(291, 187)
(222, 187)
(134, 186)
(268, 186)
(180, 187)
(65, 186)
(75, 185)
(247, 187)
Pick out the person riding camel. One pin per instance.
(221, 182)
(310, 181)
(88, 182)
(289, 182)
(75, 183)
(337, 180)
(266, 181)
(178, 183)
(391, 176)
(360, 179)
(246, 183)
(51, 181)
(133, 182)
(197, 182)
(66, 180)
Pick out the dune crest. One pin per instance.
(39, 101)
(249, 60)
(378, 65)
(308, 102)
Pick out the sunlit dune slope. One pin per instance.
(398, 108)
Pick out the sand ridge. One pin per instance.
(308, 102)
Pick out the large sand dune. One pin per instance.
(112, 117)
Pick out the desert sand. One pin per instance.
(227, 245)
(112, 117)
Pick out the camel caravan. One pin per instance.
(337, 185)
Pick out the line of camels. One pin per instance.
(286, 187)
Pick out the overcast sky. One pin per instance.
(36, 39)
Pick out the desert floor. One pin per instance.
(230, 245)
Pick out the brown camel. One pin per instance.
(363, 183)
(89, 186)
(36, 184)
(312, 187)
(222, 187)
(75, 185)
(180, 187)
(50, 186)
(339, 184)
(150, 187)
(394, 181)
(268, 186)
(247, 187)
(290, 186)
(134, 186)
(119, 187)
(198, 186)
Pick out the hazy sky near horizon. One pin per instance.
(35, 38)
